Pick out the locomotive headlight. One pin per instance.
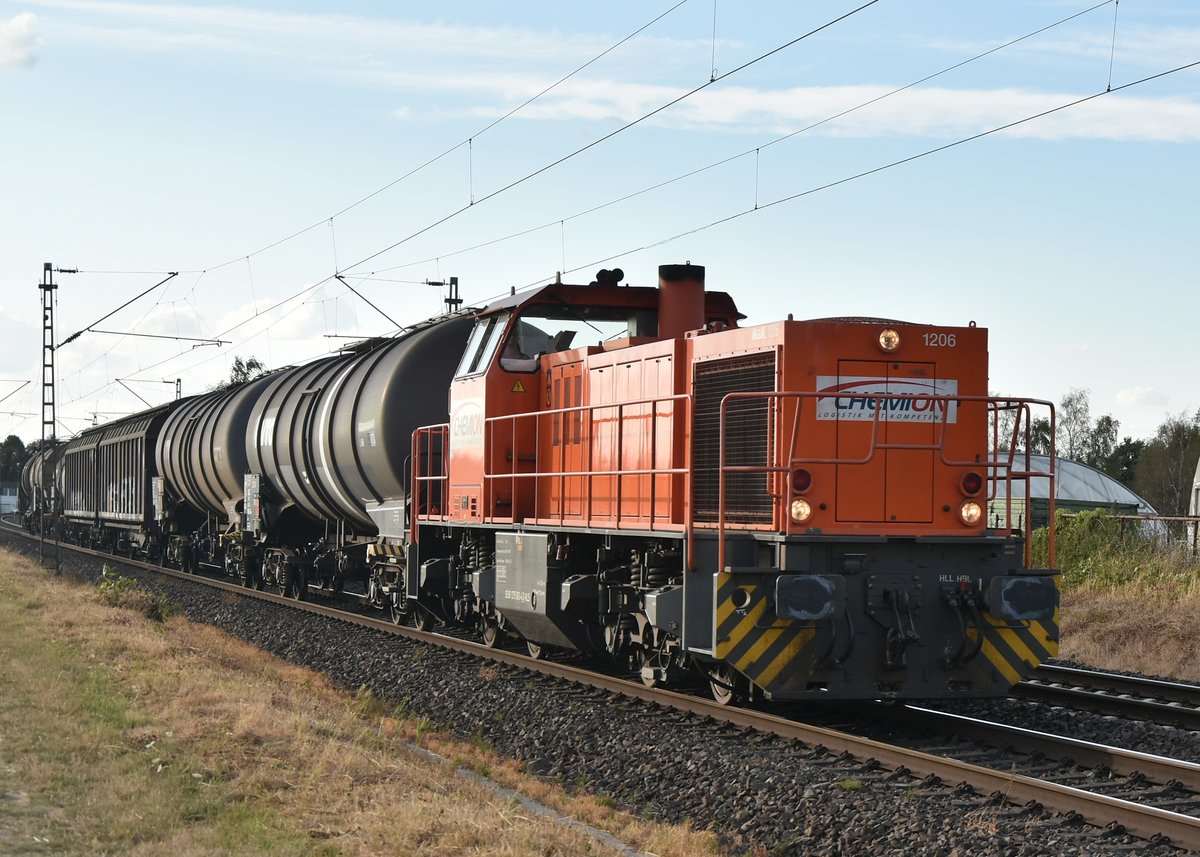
(970, 513)
(889, 340)
(801, 510)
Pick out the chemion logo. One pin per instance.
(911, 400)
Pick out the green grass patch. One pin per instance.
(1095, 554)
(70, 737)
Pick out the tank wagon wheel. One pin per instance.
(536, 650)
(423, 619)
(300, 584)
(725, 684)
(292, 583)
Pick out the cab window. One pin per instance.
(482, 344)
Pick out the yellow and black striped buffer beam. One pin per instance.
(1011, 650)
(384, 550)
(753, 640)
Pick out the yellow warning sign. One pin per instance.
(518, 387)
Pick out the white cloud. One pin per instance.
(19, 41)
(1077, 347)
(934, 112)
(483, 72)
(1141, 396)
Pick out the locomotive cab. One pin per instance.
(521, 385)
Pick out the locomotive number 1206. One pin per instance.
(940, 340)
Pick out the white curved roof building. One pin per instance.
(1079, 482)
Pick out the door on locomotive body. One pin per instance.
(895, 485)
(564, 450)
(464, 464)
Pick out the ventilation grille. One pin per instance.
(749, 438)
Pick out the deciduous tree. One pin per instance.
(1168, 463)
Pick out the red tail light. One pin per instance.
(970, 483)
(801, 480)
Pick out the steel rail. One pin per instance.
(1100, 810)
(1125, 763)
(1149, 688)
(1174, 714)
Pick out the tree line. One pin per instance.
(1160, 468)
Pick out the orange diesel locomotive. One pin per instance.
(789, 510)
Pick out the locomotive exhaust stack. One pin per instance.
(680, 300)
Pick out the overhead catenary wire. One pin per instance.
(826, 186)
(452, 149)
(416, 170)
(604, 138)
(749, 63)
(757, 149)
(812, 190)
(891, 165)
(170, 276)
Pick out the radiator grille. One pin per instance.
(749, 439)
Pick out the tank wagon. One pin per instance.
(786, 510)
(38, 491)
(286, 480)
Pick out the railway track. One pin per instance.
(1132, 697)
(1125, 804)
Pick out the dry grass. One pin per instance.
(1127, 603)
(149, 738)
(1136, 627)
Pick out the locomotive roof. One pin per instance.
(605, 295)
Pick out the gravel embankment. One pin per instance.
(761, 794)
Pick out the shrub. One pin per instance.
(119, 591)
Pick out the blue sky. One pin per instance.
(154, 137)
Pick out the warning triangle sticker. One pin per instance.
(518, 387)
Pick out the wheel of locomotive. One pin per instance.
(286, 574)
(725, 684)
(536, 650)
(301, 583)
(423, 619)
(490, 631)
(650, 659)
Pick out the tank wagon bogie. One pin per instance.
(787, 510)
